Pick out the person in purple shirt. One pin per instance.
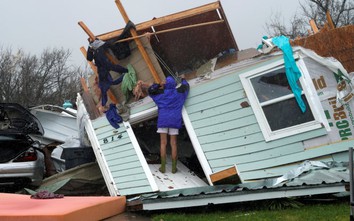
(169, 101)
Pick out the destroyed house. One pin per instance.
(242, 121)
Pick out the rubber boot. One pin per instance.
(174, 166)
(162, 168)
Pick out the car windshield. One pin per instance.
(11, 137)
(3, 138)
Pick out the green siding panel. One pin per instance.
(113, 135)
(260, 144)
(227, 131)
(100, 122)
(341, 157)
(229, 134)
(228, 98)
(208, 112)
(239, 157)
(121, 146)
(255, 157)
(116, 147)
(136, 183)
(139, 108)
(127, 166)
(109, 128)
(118, 171)
(121, 158)
(144, 189)
(130, 178)
(256, 150)
(129, 156)
(120, 155)
(234, 116)
(304, 155)
(277, 171)
(232, 143)
(215, 93)
(208, 86)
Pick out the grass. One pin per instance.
(284, 210)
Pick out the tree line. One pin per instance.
(32, 80)
(341, 11)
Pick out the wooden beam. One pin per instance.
(165, 19)
(224, 174)
(313, 26)
(173, 29)
(90, 105)
(87, 30)
(329, 20)
(139, 44)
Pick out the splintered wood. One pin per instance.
(337, 43)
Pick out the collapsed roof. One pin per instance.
(190, 45)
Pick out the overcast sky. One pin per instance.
(35, 25)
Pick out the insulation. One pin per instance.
(337, 43)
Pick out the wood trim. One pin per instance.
(330, 21)
(140, 155)
(223, 174)
(165, 19)
(313, 26)
(196, 145)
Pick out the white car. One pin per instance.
(21, 159)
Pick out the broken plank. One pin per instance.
(313, 26)
(224, 174)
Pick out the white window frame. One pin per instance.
(308, 90)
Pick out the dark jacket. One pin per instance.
(103, 67)
(169, 101)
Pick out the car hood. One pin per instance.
(15, 118)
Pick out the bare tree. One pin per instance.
(341, 11)
(31, 81)
(8, 79)
(276, 26)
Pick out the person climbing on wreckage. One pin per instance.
(169, 101)
(96, 52)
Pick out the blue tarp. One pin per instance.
(292, 71)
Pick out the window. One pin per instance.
(274, 104)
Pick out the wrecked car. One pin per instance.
(21, 159)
